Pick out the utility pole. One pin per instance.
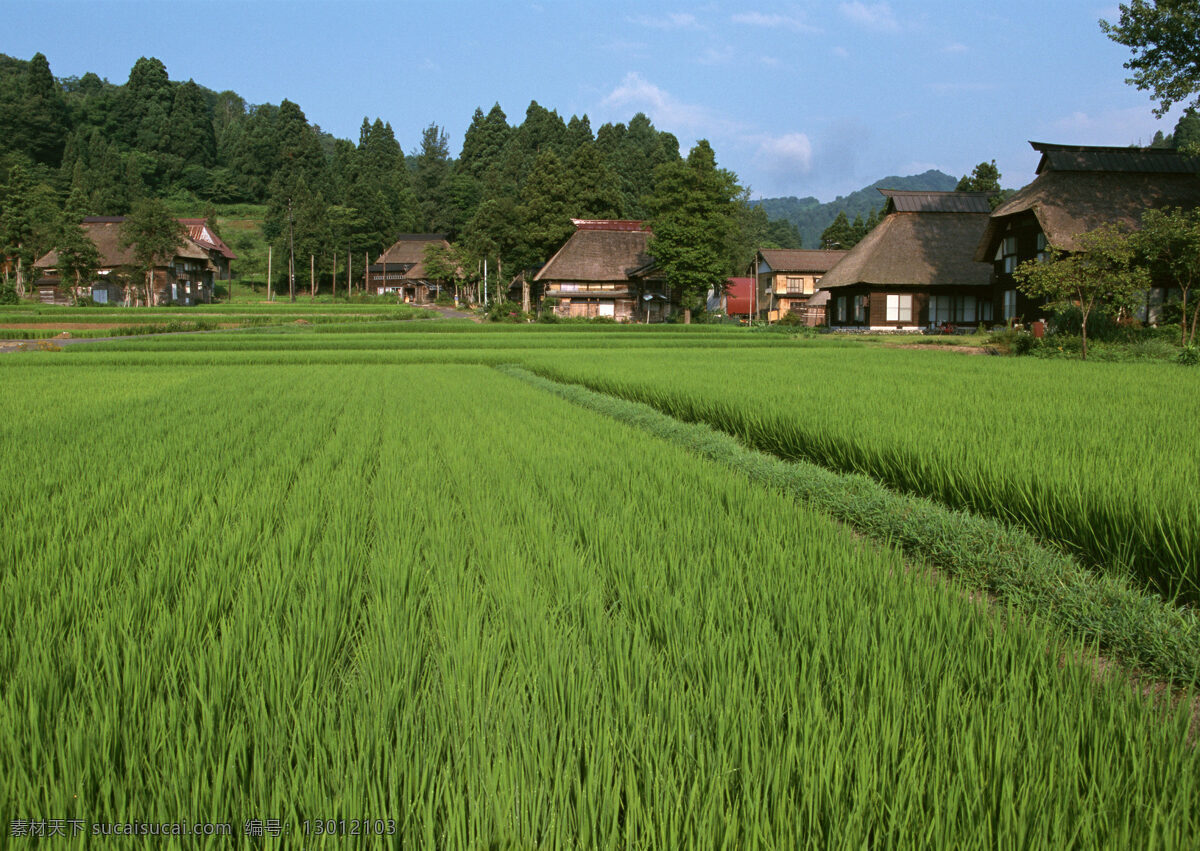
(291, 257)
(366, 272)
(312, 276)
(335, 277)
(349, 272)
(270, 289)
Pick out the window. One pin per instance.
(100, 295)
(1043, 253)
(985, 310)
(1010, 304)
(899, 308)
(860, 308)
(841, 309)
(951, 308)
(1008, 250)
(795, 286)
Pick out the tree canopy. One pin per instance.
(694, 216)
(101, 148)
(1100, 276)
(1164, 38)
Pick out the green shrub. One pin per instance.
(1010, 341)
(505, 311)
(8, 293)
(1189, 356)
(1101, 327)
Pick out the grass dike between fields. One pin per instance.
(1130, 626)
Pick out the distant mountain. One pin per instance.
(811, 217)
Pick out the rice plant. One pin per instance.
(431, 595)
(1100, 458)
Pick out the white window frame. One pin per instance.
(1010, 304)
(899, 307)
(841, 308)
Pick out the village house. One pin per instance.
(604, 270)
(914, 270)
(185, 278)
(401, 269)
(1077, 189)
(219, 254)
(789, 281)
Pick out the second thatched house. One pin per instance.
(401, 269)
(1077, 189)
(605, 270)
(915, 269)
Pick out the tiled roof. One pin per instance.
(1113, 159)
(801, 259)
(911, 201)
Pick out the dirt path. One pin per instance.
(453, 313)
(962, 350)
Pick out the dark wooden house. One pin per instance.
(219, 254)
(604, 270)
(915, 269)
(1077, 189)
(184, 278)
(401, 269)
(788, 280)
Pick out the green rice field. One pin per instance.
(340, 576)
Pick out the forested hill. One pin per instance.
(811, 217)
(92, 147)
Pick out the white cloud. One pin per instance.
(796, 23)
(874, 16)
(669, 21)
(840, 52)
(957, 47)
(785, 157)
(636, 93)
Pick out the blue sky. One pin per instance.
(803, 98)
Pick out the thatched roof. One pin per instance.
(609, 251)
(409, 251)
(1080, 188)
(800, 259)
(925, 249)
(105, 233)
